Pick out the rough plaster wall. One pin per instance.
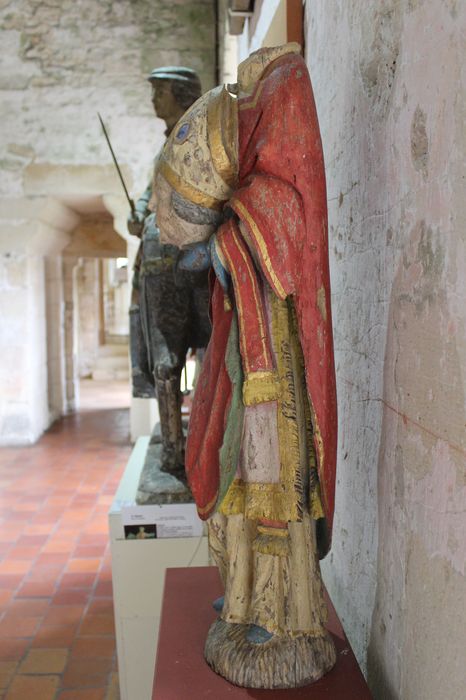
(63, 61)
(389, 80)
(228, 46)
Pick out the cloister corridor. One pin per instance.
(57, 639)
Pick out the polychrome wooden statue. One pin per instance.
(168, 314)
(241, 183)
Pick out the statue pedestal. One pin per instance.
(158, 487)
(182, 672)
(155, 486)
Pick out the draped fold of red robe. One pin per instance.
(281, 203)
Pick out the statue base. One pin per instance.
(282, 662)
(158, 487)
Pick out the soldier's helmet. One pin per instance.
(186, 84)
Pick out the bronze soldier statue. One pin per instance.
(169, 309)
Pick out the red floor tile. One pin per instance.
(22, 553)
(53, 558)
(73, 596)
(95, 625)
(100, 606)
(19, 626)
(15, 566)
(64, 614)
(86, 673)
(84, 565)
(44, 589)
(55, 636)
(88, 694)
(13, 649)
(55, 573)
(86, 552)
(31, 540)
(93, 647)
(5, 596)
(103, 588)
(38, 687)
(43, 573)
(78, 580)
(28, 607)
(10, 582)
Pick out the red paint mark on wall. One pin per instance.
(406, 419)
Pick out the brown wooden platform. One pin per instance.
(181, 672)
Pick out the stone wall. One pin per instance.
(61, 63)
(55, 330)
(389, 81)
(87, 280)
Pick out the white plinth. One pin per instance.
(143, 415)
(138, 573)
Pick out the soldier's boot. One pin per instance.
(169, 399)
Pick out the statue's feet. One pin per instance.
(283, 662)
(218, 604)
(174, 469)
(258, 635)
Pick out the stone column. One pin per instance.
(23, 372)
(87, 277)
(55, 314)
(71, 365)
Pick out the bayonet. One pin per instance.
(131, 203)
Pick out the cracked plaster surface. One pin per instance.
(387, 80)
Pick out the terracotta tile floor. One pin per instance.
(57, 639)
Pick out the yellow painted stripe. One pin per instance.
(256, 300)
(250, 104)
(232, 270)
(208, 507)
(186, 190)
(254, 229)
(220, 159)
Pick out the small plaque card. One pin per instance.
(158, 521)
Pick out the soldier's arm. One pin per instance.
(135, 221)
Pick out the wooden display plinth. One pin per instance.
(181, 671)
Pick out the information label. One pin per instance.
(154, 521)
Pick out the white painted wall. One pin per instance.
(389, 83)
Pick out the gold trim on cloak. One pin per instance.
(222, 133)
(241, 312)
(259, 387)
(192, 194)
(247, 218)
(285, 500)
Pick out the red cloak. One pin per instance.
(281, 202)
